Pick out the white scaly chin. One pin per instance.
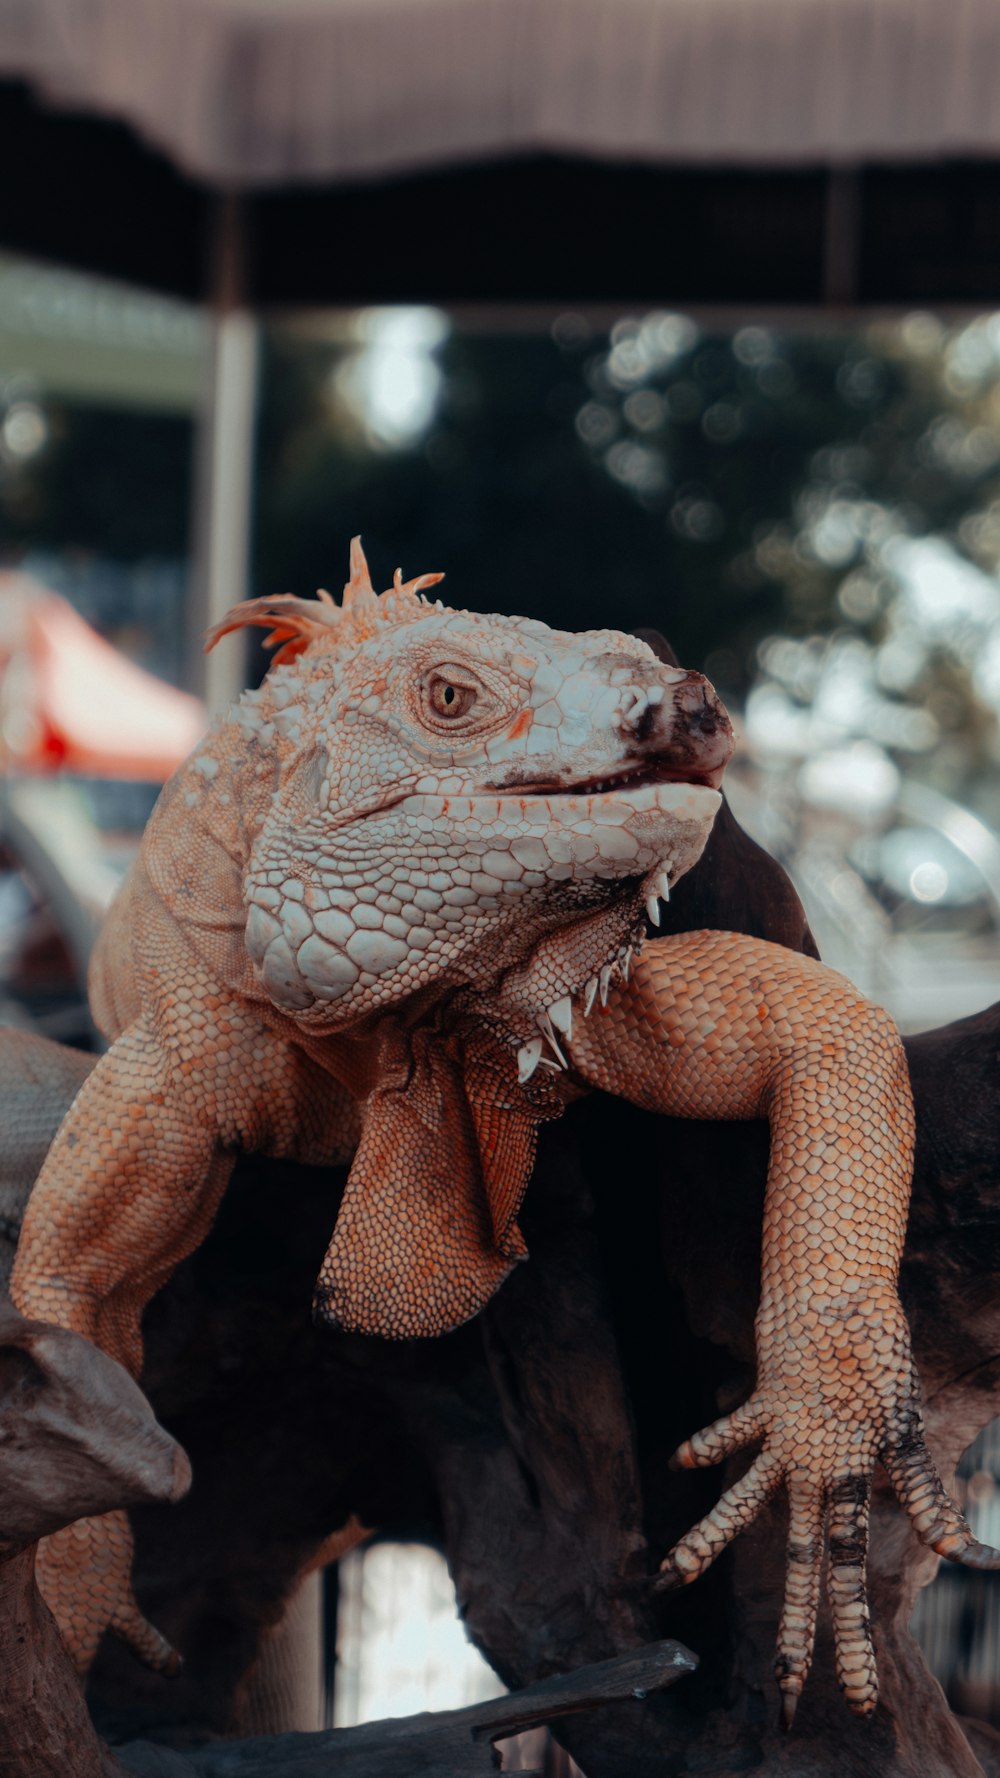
(428, 894)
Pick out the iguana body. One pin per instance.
(370, 916)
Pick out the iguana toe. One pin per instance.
(933, 1514)
(83, 1572)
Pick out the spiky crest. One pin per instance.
(297, 623)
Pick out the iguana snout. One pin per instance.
(691, 727)
(658, 719)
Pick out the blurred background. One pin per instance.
(620, 317)
(810, 512)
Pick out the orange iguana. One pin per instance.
(389, 908)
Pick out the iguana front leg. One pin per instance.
(717, 1025)
(129, 1187)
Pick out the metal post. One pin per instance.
(223, 495)
(842, 237)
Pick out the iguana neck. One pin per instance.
(196, 848)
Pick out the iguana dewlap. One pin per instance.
(388, 909)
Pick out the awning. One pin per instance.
(247, 93)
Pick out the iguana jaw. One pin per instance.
(629, 775)
(468, 888)
(608, 801)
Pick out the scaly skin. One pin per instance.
(360, 922)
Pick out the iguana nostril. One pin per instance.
(701, 717)
(646, 723)
(706, 718)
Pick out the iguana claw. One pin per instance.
(826, 1454)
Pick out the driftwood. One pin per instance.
(76, 1437)
(79, 1437)
(533, 1443)
(447, 1743)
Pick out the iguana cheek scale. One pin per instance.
(392, 907)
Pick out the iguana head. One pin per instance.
(465, 803)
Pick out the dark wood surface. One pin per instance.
(447, 1743)
(76, 1437)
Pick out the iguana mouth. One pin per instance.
(634, 774)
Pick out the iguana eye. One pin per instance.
(450, 697)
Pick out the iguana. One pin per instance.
(394, 907)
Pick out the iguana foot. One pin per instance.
(83, 1572)
(836, 1406)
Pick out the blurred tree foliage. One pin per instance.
(720, 486)
(499, 492)
(110, 481)
(723, 486)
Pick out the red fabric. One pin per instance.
(72, 702)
